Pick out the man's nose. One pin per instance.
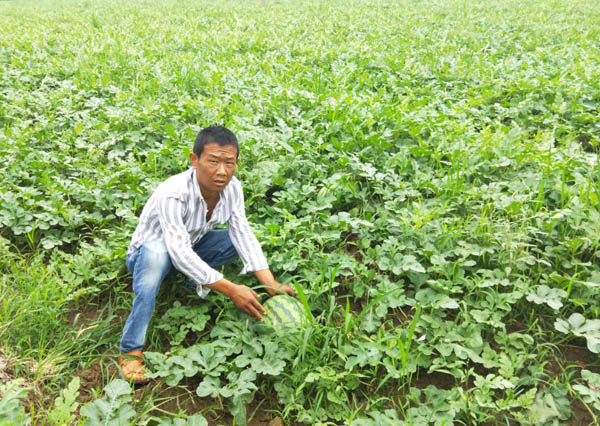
(221, 169)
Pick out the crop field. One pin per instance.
(424, 173)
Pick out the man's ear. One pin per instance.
(193, 158)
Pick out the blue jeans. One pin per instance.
(150, 265)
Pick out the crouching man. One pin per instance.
(176, 232)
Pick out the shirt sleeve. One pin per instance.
(179, 245)
(243, 238)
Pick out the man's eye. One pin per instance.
(212, 161)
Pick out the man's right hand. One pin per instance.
(246, 300)
(242, 296)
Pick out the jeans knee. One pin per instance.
(146, 288)
(152, 265)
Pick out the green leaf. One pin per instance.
(590, 392)
(210, 386)
(180, 320)
(271, 363)
(65, 405)
(578, 325)
(410, 263)
(550, 404)
(195, 420)
(11, 412)
(430, 297)
(550, 296)
(114, 409)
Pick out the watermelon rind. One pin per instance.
(283, 311)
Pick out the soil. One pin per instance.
(95, 376)
(6, 368)
(439, 380)
(86, 313)
(582, 357)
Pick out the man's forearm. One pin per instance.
(242, 296)
(223, 286)
(227, 288)
(266, 278)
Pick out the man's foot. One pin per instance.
(132, 367)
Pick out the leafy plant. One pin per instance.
(114, 409)
(550, 296)
(65, 406)
(578, 325)
(551, 405)
(11, 411)
(180, 320)
(195, 420)
(590, 390)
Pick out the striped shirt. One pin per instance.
(176, 214)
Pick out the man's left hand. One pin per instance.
(265, 277)
(277, 288)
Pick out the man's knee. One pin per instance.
(151, 267)
(157, 255)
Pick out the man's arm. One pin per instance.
(266, 278)
(241, 234)
(245, 298)
(242, 296)
(249, 248)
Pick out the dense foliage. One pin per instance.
(424, 172)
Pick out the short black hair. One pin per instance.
(220, 135)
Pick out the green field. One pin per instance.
(424, 172)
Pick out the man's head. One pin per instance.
(215, 156)
(215, 134)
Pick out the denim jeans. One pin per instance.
(150, 265)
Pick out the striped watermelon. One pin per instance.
(283, 311)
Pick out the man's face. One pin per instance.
(215, 167)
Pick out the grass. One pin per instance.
(425, 173)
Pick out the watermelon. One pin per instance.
(283, 311)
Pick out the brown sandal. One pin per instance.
(132, 367)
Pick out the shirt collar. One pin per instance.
(196, 191)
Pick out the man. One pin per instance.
(176, 232)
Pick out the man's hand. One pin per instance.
(265, 277)
(277, 288)
(242, 296)
(246, 300)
